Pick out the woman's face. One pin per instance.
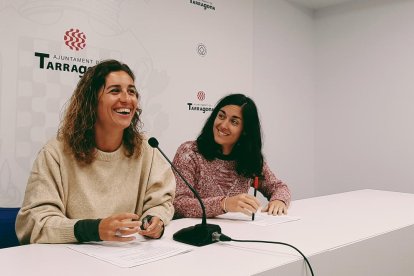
(117, 102)
(228, 127)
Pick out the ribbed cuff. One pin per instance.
(87, 230)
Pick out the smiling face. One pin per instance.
(117, 103)
(228, 127)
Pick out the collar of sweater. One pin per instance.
(110, 156)
(228, 157)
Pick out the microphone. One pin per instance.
(199, 234)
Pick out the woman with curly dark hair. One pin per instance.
(77, 129)
(223, 163)
(99, 177)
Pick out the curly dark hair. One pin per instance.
(247, 152)
(76, 130)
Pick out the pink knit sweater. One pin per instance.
(214, 180)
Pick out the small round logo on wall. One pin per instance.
(202, 49)
(75, 39)
(201, 95)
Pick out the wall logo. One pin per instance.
(202, 49)
(204, 4)
(201, 95)
(200, 107)
(75, 39)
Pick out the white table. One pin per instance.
(366, 232)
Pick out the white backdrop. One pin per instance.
(182, 53)
(334, 88)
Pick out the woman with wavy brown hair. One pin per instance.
(99, 177)
(77, 129)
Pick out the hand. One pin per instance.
(275, 207)
(115, 227)
(153, 228)
(245, 203)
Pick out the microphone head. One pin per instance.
(153, 142)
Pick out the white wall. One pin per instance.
(157, 39)
(365, 97)
(334, 89)
(283, 86)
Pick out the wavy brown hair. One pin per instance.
(77, 131)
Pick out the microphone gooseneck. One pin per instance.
(200, 234)
(153, 142)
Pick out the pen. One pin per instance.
(145, 222)
(255, 186)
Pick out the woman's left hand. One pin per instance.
(275, 207)
(153, 228)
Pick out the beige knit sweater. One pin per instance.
(60, 191)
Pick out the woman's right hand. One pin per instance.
(116, 227)
(245, 203)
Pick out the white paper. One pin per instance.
(261, 219)
(137, 252)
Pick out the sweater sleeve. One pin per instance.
(160, 190)
(273, 188)
(41, 218)
(185, 203)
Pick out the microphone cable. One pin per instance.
(221, 237)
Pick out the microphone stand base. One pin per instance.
(198, 235)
